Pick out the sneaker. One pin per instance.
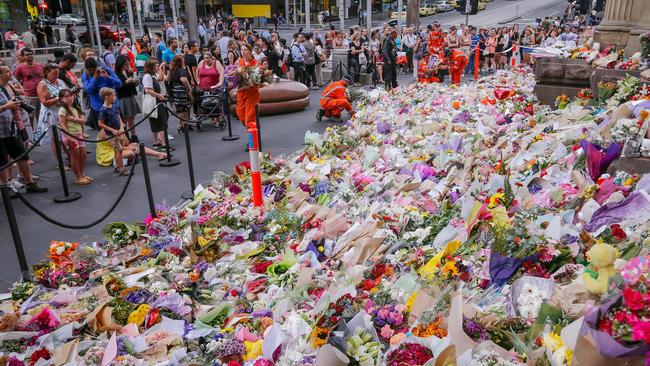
(15, 184)
(319, 115)
(35, 188)
(170, 137)
(35, 178)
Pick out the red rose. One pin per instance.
(633, 299)
(261, 267)
(617, 232)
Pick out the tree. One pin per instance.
(413, 12)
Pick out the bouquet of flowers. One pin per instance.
(624, 129)
(121, 233)
(605, 90)
(363, 349)
(389, 320)
(585, 94)
(561, 101)
(409, 354)
(60, 251)
(249, 76)
(645, 45)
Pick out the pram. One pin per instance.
(211, 105)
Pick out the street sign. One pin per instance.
(468, 6)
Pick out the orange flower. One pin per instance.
(145, 252)
(194, 276)
(319, 336)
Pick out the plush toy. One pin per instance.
(595, 51)
(601, 267)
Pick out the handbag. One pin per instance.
(149, 105)
(401, 58)
(363, 59)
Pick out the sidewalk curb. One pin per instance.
(510, 20)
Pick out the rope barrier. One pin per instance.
(201, 119)
(89, 225)
(23, 154)
(112, 137)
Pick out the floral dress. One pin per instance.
(49, 116)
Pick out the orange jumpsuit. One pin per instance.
(247, 99)
(424, 74)
(436, 42)
(334, 100)
(457, 65)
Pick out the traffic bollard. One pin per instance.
(190, 164)
(477, 61)
(67, 195)
(256, 177)
(15, 233)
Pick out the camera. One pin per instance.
(25, 107)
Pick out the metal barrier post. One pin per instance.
(259, 128)
(147, 179)
(477, 61)
(169, 162)
(226, 109)
(254, 154)
(67, 195)
(15, 233)
(190, 194)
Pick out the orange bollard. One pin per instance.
(477, 61)
(514, 54)
(256, 177)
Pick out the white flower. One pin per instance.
(210, 273)
(118, 231)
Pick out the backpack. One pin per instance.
(289, 61)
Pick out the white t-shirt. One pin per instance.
(147, 81)
(223, 47)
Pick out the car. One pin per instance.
(454, 3)
(44, 20)
(427, 9)
(443, 6)
(330, 18)
(395, 14)
(481, 5)
(65, 19)
(105, 32)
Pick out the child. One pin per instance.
(71, 120)
(111, 125)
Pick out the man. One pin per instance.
(310, 62)
(475, 40)
(29, 74)
(181, 29)
(223, 45)
(201, 32)
(94, 79)
(436, 40)
(10, 144)
(456, 62)
(160, 47)
(428, 69)
(191, 64)
(334, 99)
(66, 64)
(169, 53)
(389, 52)
(298, 54)
(408, 42)
(107, 55)
(29, 39)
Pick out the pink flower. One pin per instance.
(383, 313)
(633, 299)
(386, 332)
(397, 318)
(400, 307)
(641, 332)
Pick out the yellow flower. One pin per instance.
(495, 199)
(253, 349)
(552, 341)
(410, 301)
(628, 182)
(450, 268)
(137, 316)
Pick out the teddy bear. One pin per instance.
(601, 267)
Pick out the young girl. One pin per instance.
(72, 120)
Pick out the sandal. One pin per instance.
(89, 178)
(122, 172)
(82, 182)
(164, 157)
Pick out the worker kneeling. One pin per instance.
(429, 68)
(457, 61)
(334, 99)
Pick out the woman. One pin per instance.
(126, 94)
(321, 57)
(153, 75)
(506, 49)
(338, 42)
(179, 82)
(551, 40)
(258, 55)
(233, 53)
(210, 74)
(69, 34)
(527, 42)
(499, 48)
(364, 37)
(48, 91)
(272, 56)
(71, 119)
(453, 41)
(491, 47)
(356, 48)
(247, 97)
(466, 41)
(418, 54)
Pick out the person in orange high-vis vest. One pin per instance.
(436, 41)
(457, 61)
(334, 100)
(428, 70)
(248, 97)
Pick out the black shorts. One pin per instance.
(93, 120)
(11, 147)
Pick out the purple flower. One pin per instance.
(138, 296)
(317, 247)
(383, 128)
(201, 266)
(462, 117)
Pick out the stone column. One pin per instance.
(642, 26)
(618, 21)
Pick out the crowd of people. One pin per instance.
(134, 77)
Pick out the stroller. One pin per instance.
(212, 104)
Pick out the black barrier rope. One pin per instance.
(38, 140)
(86, 226)
(112, 137)
(331, 75)
(201, 119)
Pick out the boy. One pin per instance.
(111, 123)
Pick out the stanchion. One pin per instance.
(477, 61)
(256, 177)
(259, 128)
(226, 110)
(67, 195)
(147, 179)
(514, 55)
(169, 161)
(15, 234)
(190, 194)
